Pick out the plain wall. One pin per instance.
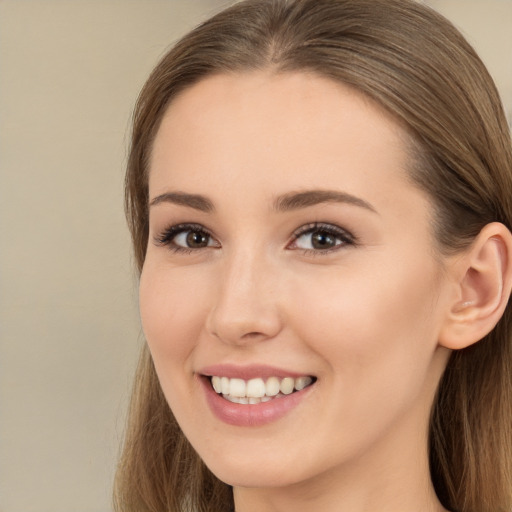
(70, 71)
(487, 24)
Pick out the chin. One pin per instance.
(257, 472)
(252, 478)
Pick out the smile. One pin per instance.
(258, 390)
(253, 395)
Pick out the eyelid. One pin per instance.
(168, 234)
(338, 232)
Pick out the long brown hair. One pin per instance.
(416, 65)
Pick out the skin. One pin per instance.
(364, 318)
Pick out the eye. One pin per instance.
(192, 239)
(321, 238)
(186, 237)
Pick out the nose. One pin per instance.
(246, 305)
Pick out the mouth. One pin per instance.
(258, 390)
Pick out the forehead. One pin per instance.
(289, 131)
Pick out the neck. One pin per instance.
(348, 496)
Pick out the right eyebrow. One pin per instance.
(304, 199)
(195, 201)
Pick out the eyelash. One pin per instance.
(336, 232)
(166, 238)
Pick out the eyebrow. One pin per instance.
(298, 200)
(195, 201)
(287, 202)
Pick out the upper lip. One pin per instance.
(247, 372)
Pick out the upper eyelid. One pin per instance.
(166, 235)
(346, 238)
(326, 226)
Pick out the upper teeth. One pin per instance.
(258, 388)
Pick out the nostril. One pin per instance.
(244, 330)
(253, 334)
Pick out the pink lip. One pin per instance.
(249, 415)
(247, 372)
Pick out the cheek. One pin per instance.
(172, 305)
(172, 313)
(378, 339)
(378, 323)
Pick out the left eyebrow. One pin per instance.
(298, 200)
(195, 201)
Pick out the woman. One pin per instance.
(319, 194)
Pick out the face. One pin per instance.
(291, 294)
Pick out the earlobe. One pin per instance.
(483, 288)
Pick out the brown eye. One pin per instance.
(322, 240)
(187, 237)
(195, 239)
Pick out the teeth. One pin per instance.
(237, 387)
(287, 385)
(272, 386)
(249, 400)
(257, 390)
(216, 383)
(302, 382)
(224, 384)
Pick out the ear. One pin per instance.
(483, 285)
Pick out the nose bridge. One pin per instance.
(245, 307)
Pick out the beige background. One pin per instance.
(70, 71)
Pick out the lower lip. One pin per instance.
(251, 415)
